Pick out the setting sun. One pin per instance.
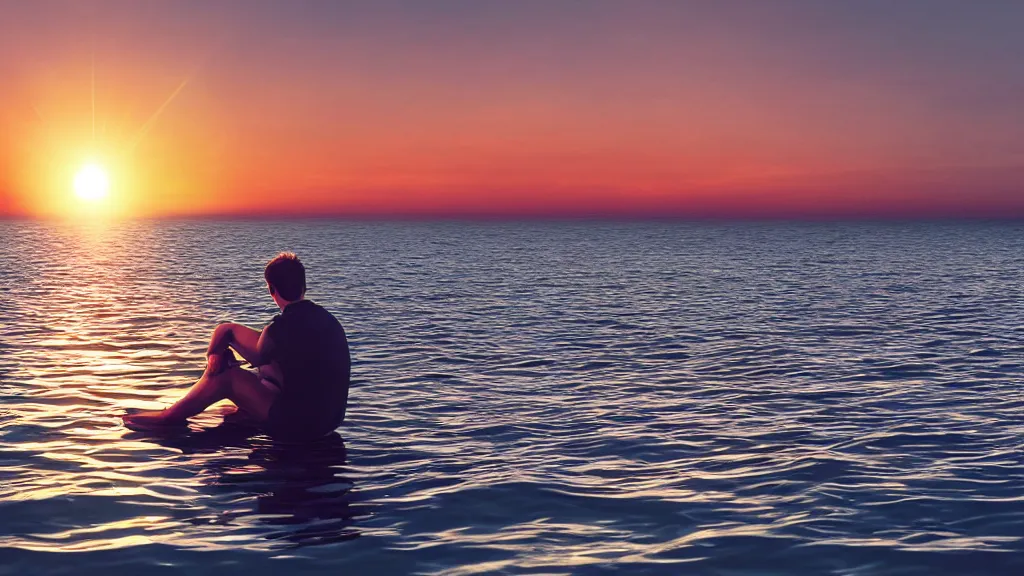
(91, 182)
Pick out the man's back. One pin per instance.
(311, 349)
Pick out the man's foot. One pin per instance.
(150, 420)
(236, 415)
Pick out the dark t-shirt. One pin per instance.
(309, 345)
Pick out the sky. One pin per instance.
(759, 108)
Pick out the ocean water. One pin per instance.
(578, 398)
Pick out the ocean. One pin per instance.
(527, 397)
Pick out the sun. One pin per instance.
(92, 183)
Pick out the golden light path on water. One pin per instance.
(107, 330)
(551, 397)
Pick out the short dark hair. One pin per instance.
(286, 275)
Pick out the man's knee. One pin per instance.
(220, 329)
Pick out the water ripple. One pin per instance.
(528, 398)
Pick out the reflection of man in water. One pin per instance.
(301, 388)
(302, 492)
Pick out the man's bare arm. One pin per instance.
(242, 339)
(264, 347)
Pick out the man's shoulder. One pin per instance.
(315, 309)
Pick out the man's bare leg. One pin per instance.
(269, 375)
(241, 387)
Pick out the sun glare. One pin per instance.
(91, 183)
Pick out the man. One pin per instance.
(301, 389)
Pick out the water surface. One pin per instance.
(527, 398)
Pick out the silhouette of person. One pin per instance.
(300, 390)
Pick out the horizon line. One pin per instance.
(485, 217)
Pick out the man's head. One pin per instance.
(286, 278)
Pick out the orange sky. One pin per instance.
(532, 108)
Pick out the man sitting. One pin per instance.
(301, 388)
